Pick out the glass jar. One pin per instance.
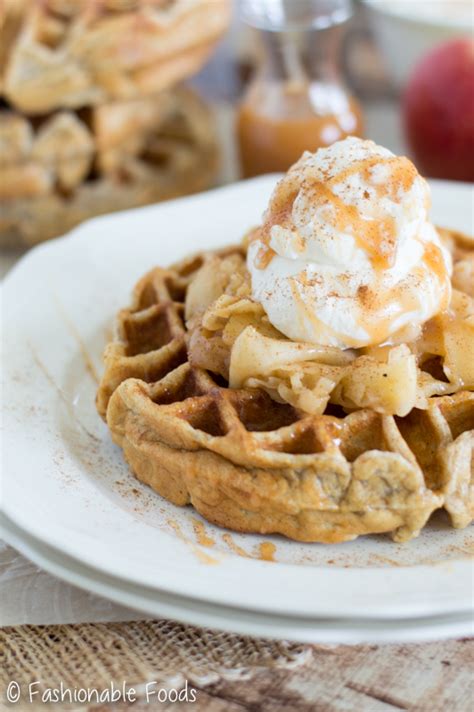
(297, 100)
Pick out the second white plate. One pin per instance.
(162, 605)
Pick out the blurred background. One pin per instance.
(111, 104)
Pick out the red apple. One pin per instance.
(438, 108)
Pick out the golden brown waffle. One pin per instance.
(251, 464)
(72, 53)
(73, 165)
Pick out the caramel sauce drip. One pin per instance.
(434, 261)
(202, 536)
(279, 212)
(202, 556)
(403, 174)
(235, 548)
(378, 237)
(378, 327)
(264, 257)
(267, 551)
(379, 309)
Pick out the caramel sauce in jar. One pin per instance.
(275, 125)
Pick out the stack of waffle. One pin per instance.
(92, 119)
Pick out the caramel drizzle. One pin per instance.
(264, 256)
(434, 261)
(200, 531)
(279, 212)
(267, 551)
(377, 237)
(374, 305)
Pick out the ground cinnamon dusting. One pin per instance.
(366, 296)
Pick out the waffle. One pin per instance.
(230, 334)
(251, 464)
(73, 165)
(72, 53)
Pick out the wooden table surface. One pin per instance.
(435, 677)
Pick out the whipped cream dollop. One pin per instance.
(346, 255)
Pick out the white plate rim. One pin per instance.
(159, 604)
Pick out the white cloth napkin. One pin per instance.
(31, 596)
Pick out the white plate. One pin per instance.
(188, 610)
(66, 485)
